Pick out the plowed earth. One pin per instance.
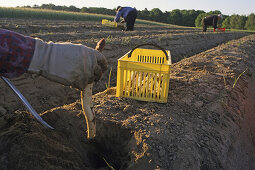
(207, 123)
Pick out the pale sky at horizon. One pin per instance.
(227, 7)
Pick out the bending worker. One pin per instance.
(129, 14)
(211, 21)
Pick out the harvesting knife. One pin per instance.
(25, 102)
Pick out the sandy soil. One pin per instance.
(206, 123)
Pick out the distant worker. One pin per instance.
(129, 14)
(211, 21)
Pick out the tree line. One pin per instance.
(189, 18)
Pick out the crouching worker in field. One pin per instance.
(69, 64)
(128, 14)
(211, 21)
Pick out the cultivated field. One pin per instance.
(208, 122)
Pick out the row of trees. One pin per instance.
(177, 17)
(240, 22)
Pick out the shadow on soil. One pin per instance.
(110, 147)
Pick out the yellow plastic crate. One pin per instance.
(143, 74)
(109, 23)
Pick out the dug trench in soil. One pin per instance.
(25, 144)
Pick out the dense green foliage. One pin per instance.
(237, 21)
(226, 23)
(250, 22)
(190, 18)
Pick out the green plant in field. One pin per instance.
(229, 43)
(239, 44)
(109, 39)
(236, 79)
(109, 79)
(50, 33)
(125, 40)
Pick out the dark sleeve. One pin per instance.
(117, 17)
(215, 20)
(16, 52)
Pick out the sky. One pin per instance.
(227, 7)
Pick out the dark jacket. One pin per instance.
(211, 21)
(123, 12)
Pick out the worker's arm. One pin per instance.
(117, 17)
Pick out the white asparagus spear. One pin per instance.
(86, 101)
(87, 104)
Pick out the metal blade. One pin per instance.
(25, 102)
